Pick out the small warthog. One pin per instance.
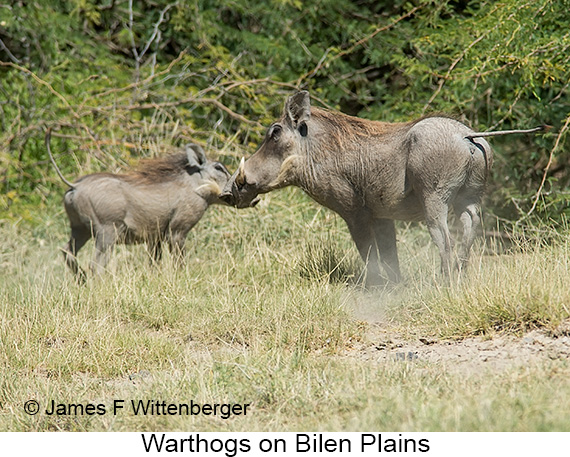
(159, 201)
(372, 173)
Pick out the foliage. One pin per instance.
(121, 79)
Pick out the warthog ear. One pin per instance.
(196, 155)
(298, 108)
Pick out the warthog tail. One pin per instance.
(507, 132)
(48, 138)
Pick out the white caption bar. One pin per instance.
(301, 443)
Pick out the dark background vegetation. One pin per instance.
(124, 79)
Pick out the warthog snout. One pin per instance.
(238, 192)
(231, 197)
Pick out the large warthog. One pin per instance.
(372, 173)
(158, 202)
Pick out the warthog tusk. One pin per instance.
(240, 177)
(210, 186)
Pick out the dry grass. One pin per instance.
(264, 313)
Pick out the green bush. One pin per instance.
(121, 79)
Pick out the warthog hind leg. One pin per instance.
(79, 236)
(436, 219)
(105, 239)
(468, 214)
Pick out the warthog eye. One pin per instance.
(303, 129)
(219, 167)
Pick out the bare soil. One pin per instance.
(469, 355)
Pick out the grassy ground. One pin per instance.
(266, 312)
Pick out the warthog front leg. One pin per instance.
(385, 234)
(376, 242)
(363, 237)
(176, 243)
(155, 250)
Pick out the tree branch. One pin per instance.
(13, 58)
(451, 68)
(548, 165)
(360, 42)
(211, 101)
(155, 30)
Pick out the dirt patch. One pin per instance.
(470, 355)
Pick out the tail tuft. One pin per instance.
(546, 128)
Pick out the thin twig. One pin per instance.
(145, 81)
(156, 30)
(548, 165)
(360, 42)
(13, 58)
(211, 101)
(451, 68)
(43, 83)
(133, 44)
(510, 110)
(53, 91)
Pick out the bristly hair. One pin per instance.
(159, 169)
(342, 130)
(351, 126)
